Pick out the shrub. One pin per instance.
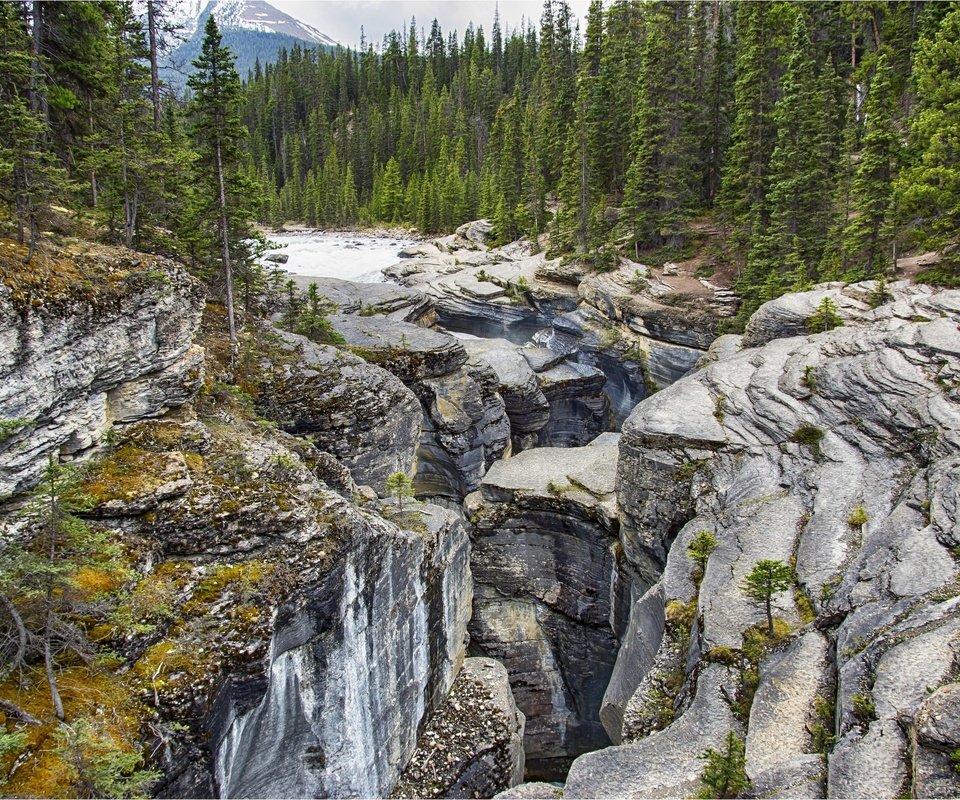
(863, 708)
(858, 518)
(700, 548)
(808, 436)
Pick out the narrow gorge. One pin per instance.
(298, 628)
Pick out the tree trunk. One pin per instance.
(769, 619)
(51, 677)
(154, 74)
(93, 172)
(225, 253)
(37, 42)
(17, 659)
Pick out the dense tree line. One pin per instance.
(813, 133)
(819, 137)
(86, 125)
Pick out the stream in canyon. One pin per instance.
(545, 571)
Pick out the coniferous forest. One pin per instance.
(819, 138)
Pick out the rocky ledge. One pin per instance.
(836, 454)
(88, 337)
(544, 534)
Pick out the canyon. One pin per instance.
(535, 614)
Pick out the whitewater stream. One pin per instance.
(349, 256)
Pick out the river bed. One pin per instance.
(349, 256)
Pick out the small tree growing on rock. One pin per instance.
(766, 579)
(399, 485)
(699, 549)
(725, 773)
(825, 317)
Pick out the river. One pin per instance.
(350, 256)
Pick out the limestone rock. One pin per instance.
(532, 791)
(833, 450)
(397, 302)
(544, 527)
(938, 736)
(357, 411)
(466, 429)
(73, 364)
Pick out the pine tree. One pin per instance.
(766, 579)
(791, 242)
(219, 135)
(928, 191)
(869, 232)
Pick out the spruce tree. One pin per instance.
(928, 191)
(867, 237)
(29, 172)
(661, 187)
(786, 250)
(219, 136)
(759, 33)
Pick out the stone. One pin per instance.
(408, 351)
(668, 762)
(871, 764)
(466, 429)
(776, 445)
(397, 302)
(532, 791)
(544, 527)
(783, 713)
(938, 737)
(365, 654)
(472, 745)
(357, 411)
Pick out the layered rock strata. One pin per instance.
(110, 340)
(829, 452)
(307, 640)
(545, 523)
(354, 410)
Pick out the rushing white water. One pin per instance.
(350, 256)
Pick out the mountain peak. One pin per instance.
(251, 15)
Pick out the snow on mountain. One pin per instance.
(250, 15)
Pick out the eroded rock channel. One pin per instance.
(540, 610)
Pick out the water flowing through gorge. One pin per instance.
(518, 380)
(299, 629)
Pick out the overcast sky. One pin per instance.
(341, 19)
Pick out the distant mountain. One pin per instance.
(252, 29)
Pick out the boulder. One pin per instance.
(397, 302)
(408, 351)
